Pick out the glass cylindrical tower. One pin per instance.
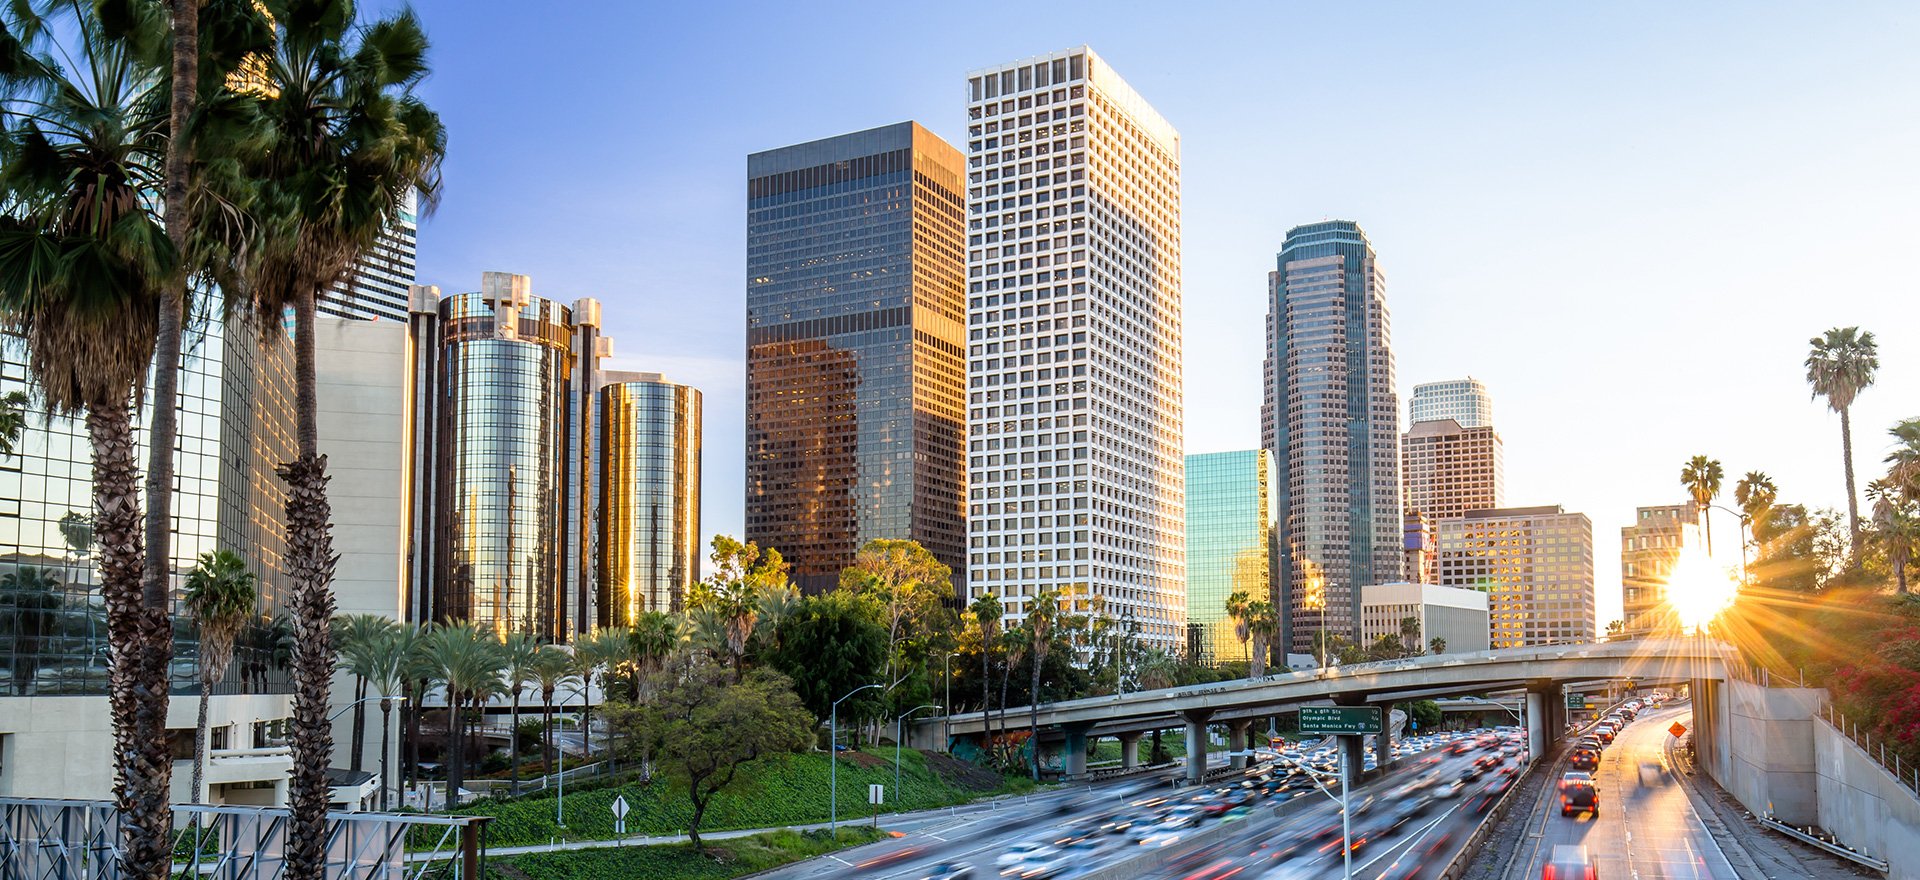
(649, 496)
(506, 363)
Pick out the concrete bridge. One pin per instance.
(1543, 673)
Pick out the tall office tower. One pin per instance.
(1448, 470)
(1648, 550)
(235, 427)
(1075, 417)
(1463, 400)
(648, 497)
(1534, 563)
(1230, 522)
(855, 377)
(502, 458)
(378, 289)
(1332, 421)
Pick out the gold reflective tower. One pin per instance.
(649, 430)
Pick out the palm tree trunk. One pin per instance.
(546, 734)
(1006, 683)
(1853, 497)
(386, 726)
(200, 739)
(310, 599)
(456, 751)
(513, 739)
(986, 691)
(359, 723)
(141, 640)
(1033, 712)
(410, 738)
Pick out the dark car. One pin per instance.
(1569, 862)
(1578, 794)
(1584, 759)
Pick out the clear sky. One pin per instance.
(1626, 218)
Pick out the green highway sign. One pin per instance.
(1576, 701)
(1339, 720)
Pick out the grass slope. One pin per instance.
(724, 859)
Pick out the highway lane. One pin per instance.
(1646, 828)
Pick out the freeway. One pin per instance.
(1406, 830)
(1646, 827)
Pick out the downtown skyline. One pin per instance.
(1491, 276)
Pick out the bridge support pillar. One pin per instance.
(1383, 743)
(1239, 741)
(1355, 749)
(1129, 750)
(1073, 755)
(1536, 725)
(1197, 745)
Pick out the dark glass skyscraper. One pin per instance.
(1332, 420)
(856, 427)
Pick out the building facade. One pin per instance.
(1075, 394)
(56, 734)
(1536, 566)
(1331, 418)
(379, 288)
(502, 481)
(855, 326)
(1648, 550)
(1418, 552)
(1457, 616)
(1230, 525)
(1448, 470)
(648, 490)
(1463, 400)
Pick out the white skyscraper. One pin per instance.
(1075, 414)
(378, 288)
(1463, 400)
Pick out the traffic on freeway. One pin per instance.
(1278, 817)
(1627, 816)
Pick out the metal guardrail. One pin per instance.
(51, 839)
(1908, 775)
(1835, 847)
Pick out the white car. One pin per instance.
(1029, 851)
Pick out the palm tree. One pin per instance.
(221, 598)
(596, 658)
(356, 638)
(1410, 636)
(986, 615)
(81, 253)
(1903, 463)
(32, 597)
(519, 649)
(654, 637)
(1013, 649)
(391, 671)
(1237, 604)
(346, 144)
(13, 421)
(1896, 528)
(1755, 493)
(1042, 616)
(1840, 365)
(1701, 476)
(1262, 623)
(466, 660)
(552, 668)
(1437, 645)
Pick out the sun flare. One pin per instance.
(1700, 587)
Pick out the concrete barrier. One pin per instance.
(1864, 805)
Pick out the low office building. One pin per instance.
(1455, 615)
(1534, 563)
(1648, 550)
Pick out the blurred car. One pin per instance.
(1027, 851)
(1569, 862)
(949, 871)
(1584, 759)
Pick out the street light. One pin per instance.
(383, 752)
(833, 760)
(560, 765)
(898, 725)
(1746, 531)
(946, 725)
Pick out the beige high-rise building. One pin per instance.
(1648, 550)
(1076, 445)
(1447, 470)
(1534, 563)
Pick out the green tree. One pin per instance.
(596, 658)
(730, 599)
(390, 671)
(354, 639)
(344, 143)
(1043, 615)
(655, 636)
(519, 651)
(1437, 645)
(1410, 635)
(986, 613)
(220, 598)
(1841, 364)
(13, 421)
(1896, 529)
(552, 669)
(1903, 463)
(1756, 494)
(1386, 647)
(466, 661)
(1236, 607)
(834, 643)
(1701, 476)
(909, 584)
(703, 727)
(1263, 623)
(1425, 714)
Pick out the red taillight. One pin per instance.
(1548, 875)
(1591, 875)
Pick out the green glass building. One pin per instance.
(1230, 521)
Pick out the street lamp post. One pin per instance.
(899, 724)
(833, 760)
(1746, 532)
(946, 726)
(560, 767)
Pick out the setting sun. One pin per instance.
(1699, 587)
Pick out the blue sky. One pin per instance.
(1626, 218)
